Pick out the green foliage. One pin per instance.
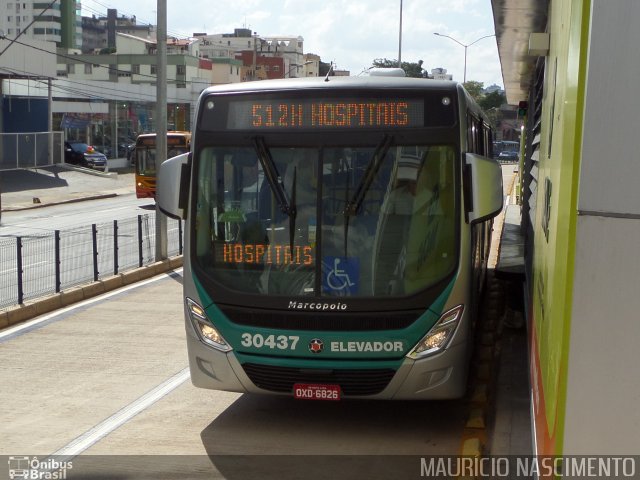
(488, 101)
(411, 69)
(475, 89)
(492, 100)
(384, 63)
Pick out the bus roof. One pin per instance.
(336, 84)
(333, 83)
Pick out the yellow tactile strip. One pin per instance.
(483, 375)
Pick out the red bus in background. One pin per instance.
(145, 159)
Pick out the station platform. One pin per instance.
(506, 417)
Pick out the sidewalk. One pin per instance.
(512, 424)
(34, 188)
(25, 189)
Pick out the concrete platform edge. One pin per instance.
(33, 308)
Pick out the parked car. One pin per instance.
(124, 149)
(84, 155)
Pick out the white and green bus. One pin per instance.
(337, 233)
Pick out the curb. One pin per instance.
(81, 196)
(486, 363)
(61, 202)
(40, 306)
(88, 171)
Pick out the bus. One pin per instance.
(506, 150)
(337, 234)
(144, 156)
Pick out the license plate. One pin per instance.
(314, 391)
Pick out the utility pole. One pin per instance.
(50, 121)
(255, 54)
(161, 120)
(400, 39)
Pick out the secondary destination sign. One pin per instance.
(311, 114)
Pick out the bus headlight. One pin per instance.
(204, 328)
(439, 335)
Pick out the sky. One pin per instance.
(350, 33)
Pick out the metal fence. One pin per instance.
(37, 265)
(29, 150)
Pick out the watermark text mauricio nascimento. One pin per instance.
(530, 466)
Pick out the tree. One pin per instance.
(492, 100)
(411, 69)
(475, 89)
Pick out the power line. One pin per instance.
(91, 94)
(130, 15)
(85, 62)
(92, 10)
(35, 19)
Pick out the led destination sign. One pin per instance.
(347, 113)
(267, 254)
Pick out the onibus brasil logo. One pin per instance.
(32, 468)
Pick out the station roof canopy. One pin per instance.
(514, 21)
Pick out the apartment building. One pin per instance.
(103, 90)
(258, 53)
(122, 85)
(99, 33)
(38, 20)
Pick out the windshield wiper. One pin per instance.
(369, 175)
(353, 206)
(273, 177)
(277, 187)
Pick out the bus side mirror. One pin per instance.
(483, 178)
(173, 185)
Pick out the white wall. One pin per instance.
(603, 391)
(25, 59)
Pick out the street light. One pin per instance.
(465, 50)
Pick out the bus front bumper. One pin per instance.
(441, 376)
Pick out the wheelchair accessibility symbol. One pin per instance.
(341, 275)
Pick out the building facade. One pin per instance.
(580, 215)
(102, 86)
(263, 57)
(99, 33)
(440, 74)
(37, 20)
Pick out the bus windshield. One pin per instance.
(146, 158)
(146, 161)
(326, 221)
